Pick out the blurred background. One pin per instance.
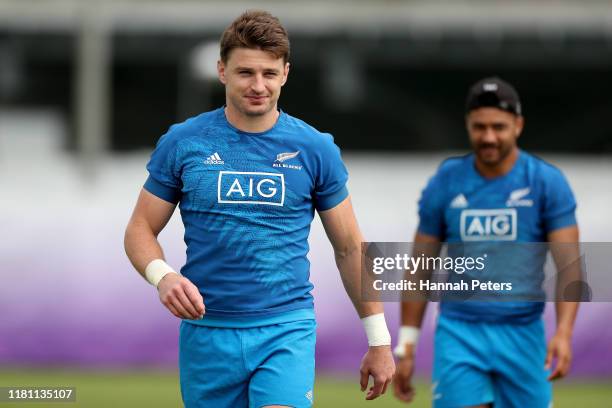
(87, 88)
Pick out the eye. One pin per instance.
(270, 74)
(499, 127)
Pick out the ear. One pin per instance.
(221, 71)
(520, 124)
(467, 122)
(285, 73)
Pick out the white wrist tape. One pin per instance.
(407, 335)
(156, 270)
(376, 330)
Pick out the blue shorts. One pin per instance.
(480, 363)
(247, 367)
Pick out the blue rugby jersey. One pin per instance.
(247, 201)
(459, 205)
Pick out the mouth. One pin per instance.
(256, 99)
(488, 149)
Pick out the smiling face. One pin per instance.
(253, 79)
(493, 134)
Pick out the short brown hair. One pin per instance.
(256, 29)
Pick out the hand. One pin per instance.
(402, 383)
(181, 297)
(378, 363)
(559, 348)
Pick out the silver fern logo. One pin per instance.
(281, 157)
(517, 198)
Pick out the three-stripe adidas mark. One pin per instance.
(214, 159)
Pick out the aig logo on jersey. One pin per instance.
(243, 187)
(488, 225)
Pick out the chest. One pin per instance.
(509, 212)
(245, 176)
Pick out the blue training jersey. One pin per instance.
(459, 205)
(247, 201)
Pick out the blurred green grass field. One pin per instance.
(152, 389)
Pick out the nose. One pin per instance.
(258, 85)
(489, 135)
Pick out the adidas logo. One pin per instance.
(214, 159)
(459, 202)
(309, 396)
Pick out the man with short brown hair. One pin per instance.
(247, 178)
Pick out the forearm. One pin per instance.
(566, 316)
(348, 261)
(413, 308)
(141, 245)
(565, 250)
(413, 312)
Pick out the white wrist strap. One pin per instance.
(376, 330)
(407, 335)
(156, 270)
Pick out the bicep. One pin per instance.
(341, 225)
(426, 244)
(152, 212)
(563, 244)
(567, 234)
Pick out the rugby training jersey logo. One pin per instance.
(281, 158)
(244, 187)
(459, 202)
(488, 225)
(214, 159)
(309, 396)
(517, 198)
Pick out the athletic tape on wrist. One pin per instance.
(376, 330)
(156, 270)
(406, 335)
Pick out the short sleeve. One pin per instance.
(559, 203)
(330, 184)
(164, 179)
(431, 208)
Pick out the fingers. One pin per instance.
(561, 369)
(363, 381)
(562, 353)
(173, 310)
(403, 389)
(549, 358)
(195, 298)
(376, 390)
(397, 390)
(554, 375)
(184, 301)
(183, 313)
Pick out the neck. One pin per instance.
(498, 169)
(252, 124)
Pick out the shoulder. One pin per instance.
(454, 163)
(194, 126)
(453, 166)
(307, 133)
(545, 171)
